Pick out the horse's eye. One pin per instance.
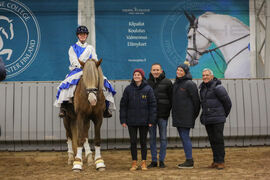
(189, 37)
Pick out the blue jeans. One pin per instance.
(184, 135)
(162, 125)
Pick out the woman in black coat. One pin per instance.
(138, 111)
(185, 109)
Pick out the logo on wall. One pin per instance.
(19, 36)
(173, 35)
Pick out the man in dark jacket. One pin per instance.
(163, 90)
(216, 106)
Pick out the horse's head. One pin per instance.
(6, 28)
(198, 40)
(93, 79)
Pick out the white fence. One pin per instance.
(30, 122)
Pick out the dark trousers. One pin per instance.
(143, 130)
(215, 135)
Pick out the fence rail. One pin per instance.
(29, 121)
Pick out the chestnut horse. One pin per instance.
(88, 104)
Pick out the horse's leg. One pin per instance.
(77, 164)
(88, 152)
(69, 141)
(98, 159)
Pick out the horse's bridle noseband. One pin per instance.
(92, 90)
(195, 61)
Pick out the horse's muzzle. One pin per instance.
(194, 62)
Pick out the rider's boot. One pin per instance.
(107, 113)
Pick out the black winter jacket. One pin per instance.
(138, 105)
(2, 70)
(215, 101)
(185, 102)
(163, 92)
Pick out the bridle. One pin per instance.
(92, 90)
(195, 29)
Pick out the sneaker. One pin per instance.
(161, 164)
(153, 164)
(187, 164)
(220, 166)
(107, 113)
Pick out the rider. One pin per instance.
(79, 53)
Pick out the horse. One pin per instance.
(230, 36)
(10, 35)
(88, 104)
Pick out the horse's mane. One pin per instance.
(92, 76)
(206, 14)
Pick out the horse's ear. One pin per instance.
(190, 18)
(99, 62)
(193, 16)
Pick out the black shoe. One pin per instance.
(153, 164)
(62, 113)
(63, 109)
(187, 164)
(107, 114)
(161, 164)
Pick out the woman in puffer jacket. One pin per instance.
(138, 112)
(185, 109)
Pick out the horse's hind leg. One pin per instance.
(69, 141)
(98, 159)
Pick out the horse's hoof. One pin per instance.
(77, 166)
(100, 166)
(90, 160)
(76, 170)
(101, 169)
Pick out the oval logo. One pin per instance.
(19, 36)
(174, 35)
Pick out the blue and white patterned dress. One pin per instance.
(67, 87)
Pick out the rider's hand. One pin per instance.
(124, 125)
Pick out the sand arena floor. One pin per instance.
(241, 163)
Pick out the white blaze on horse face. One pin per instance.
(92, 98)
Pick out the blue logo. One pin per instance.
(19, 36)
(173, 35)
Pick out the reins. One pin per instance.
(214, 49)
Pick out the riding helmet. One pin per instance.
(82, 29)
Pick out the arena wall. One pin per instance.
(29, 121)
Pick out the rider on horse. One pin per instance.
(79, 53)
